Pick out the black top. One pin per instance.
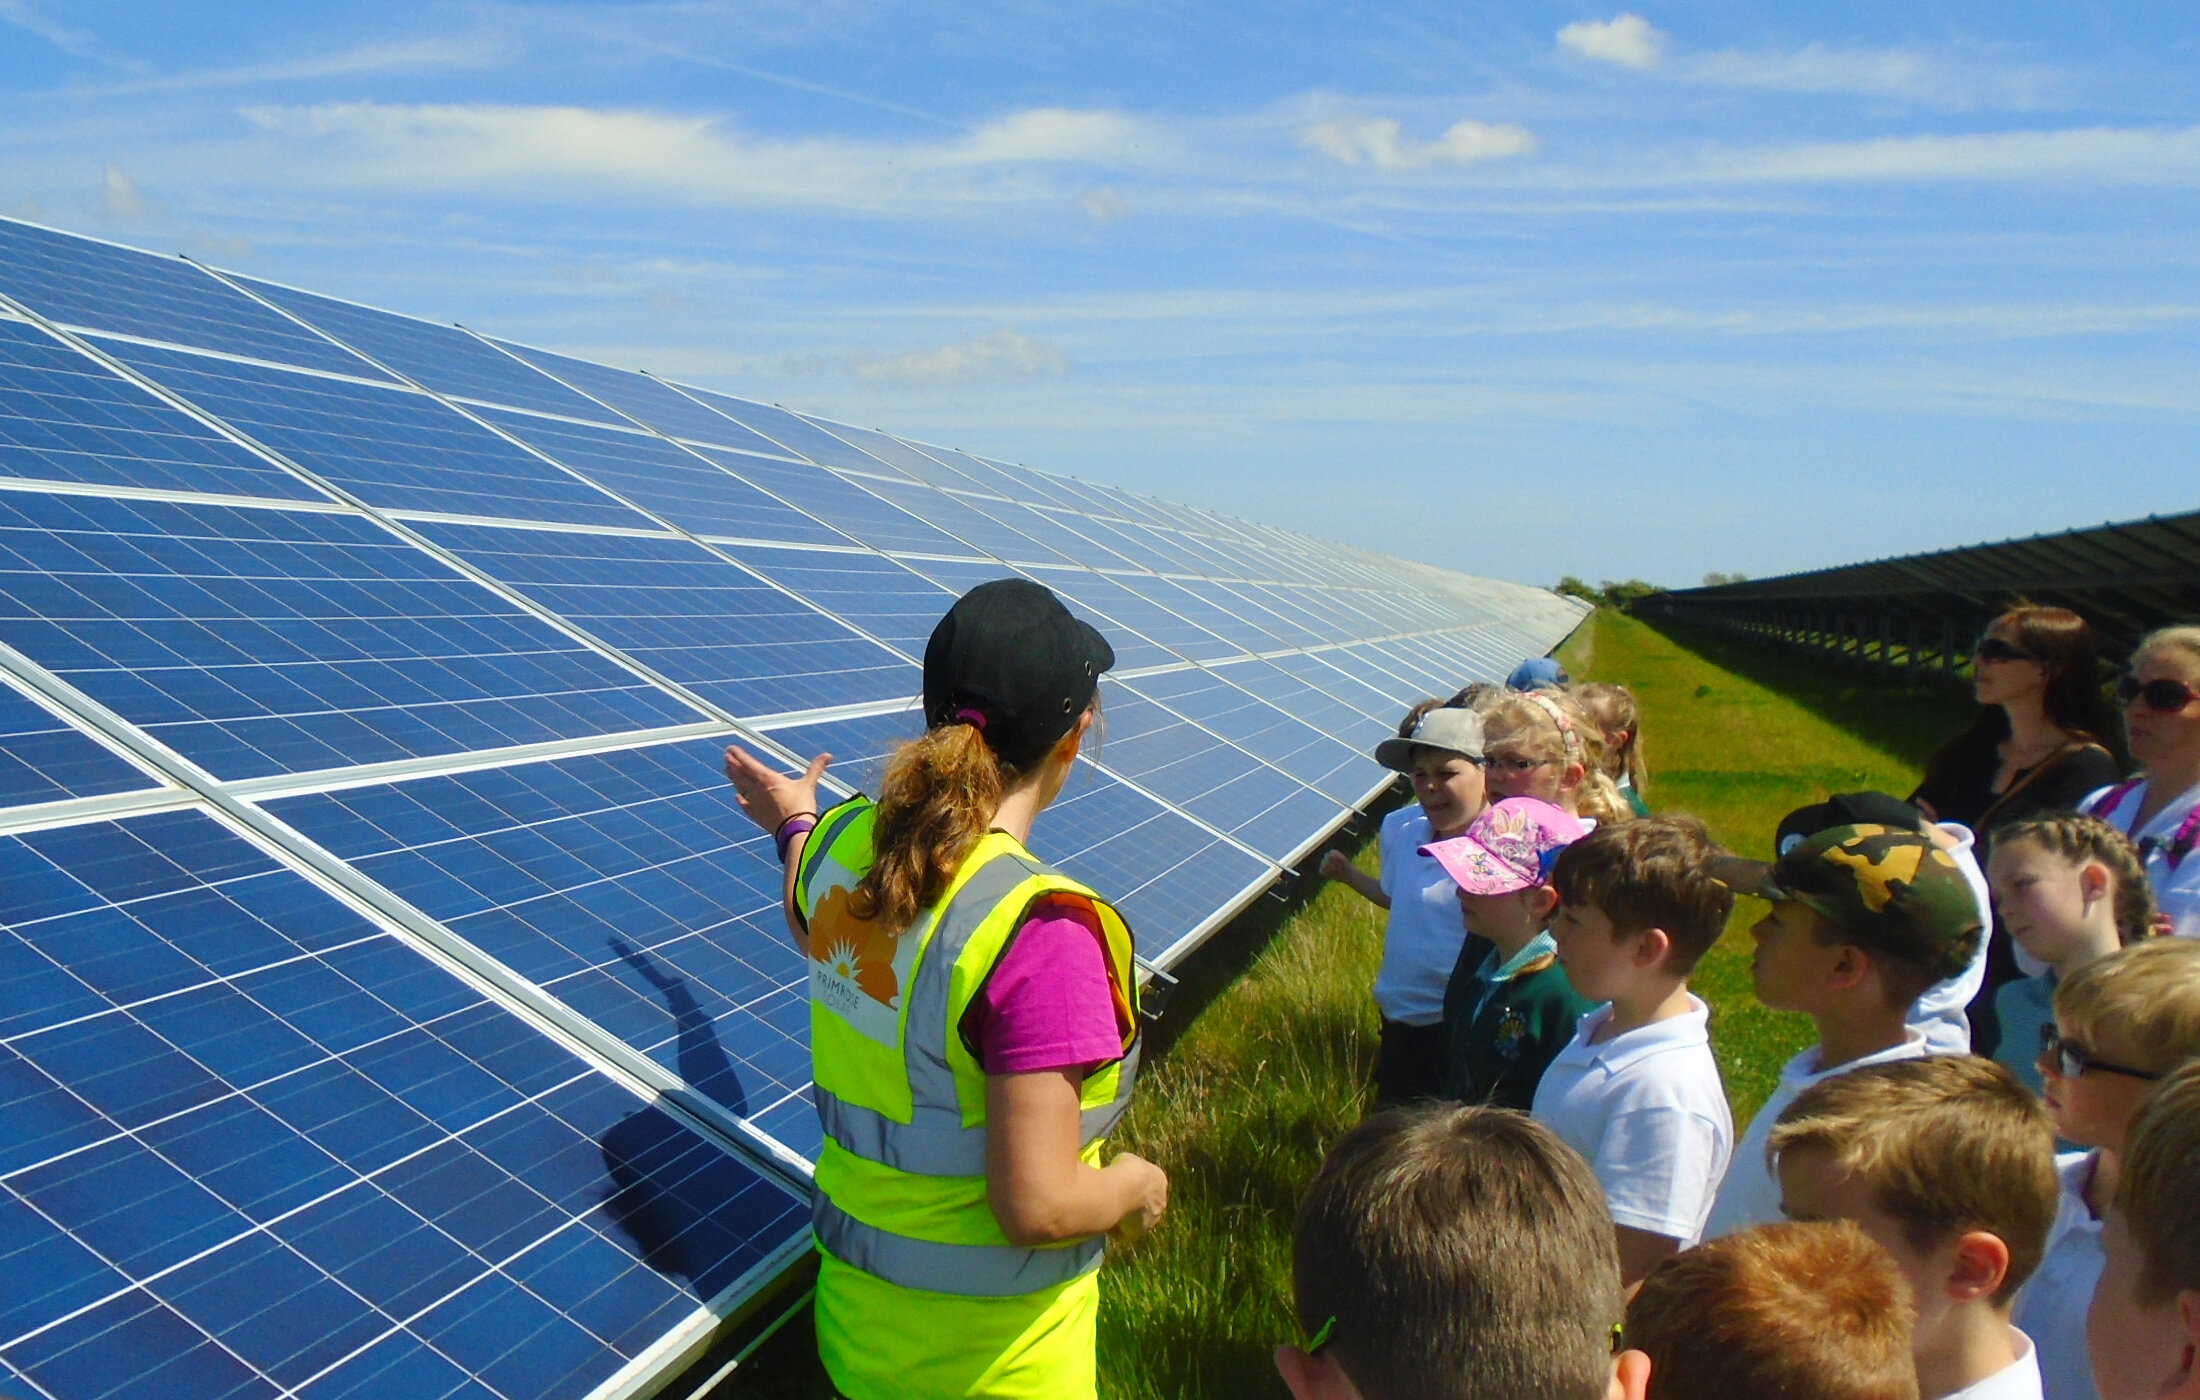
(1963, 790)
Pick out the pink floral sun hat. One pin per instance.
(1509, 847)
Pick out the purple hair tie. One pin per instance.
(971, 717)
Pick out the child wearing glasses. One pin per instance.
(2121, 1022)
(2161, 809)
(1949, 1165)
(1542, 744)
(1449, 1253)
(2069, 889)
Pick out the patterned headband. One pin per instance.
(1558, 717)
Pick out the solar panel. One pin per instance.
(258, 1145)
(64, 417)
(271, 641)
(394, 1000)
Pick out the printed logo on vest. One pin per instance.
(857, 969)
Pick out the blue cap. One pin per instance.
(1538, 672)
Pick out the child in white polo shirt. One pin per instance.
(1636, 1091)
(2121, 1023)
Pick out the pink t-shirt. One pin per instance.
(1048, 1004)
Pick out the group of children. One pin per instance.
(1895, 1220)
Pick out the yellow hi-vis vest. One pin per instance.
(900, 1213)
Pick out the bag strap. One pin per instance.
(2047, 765)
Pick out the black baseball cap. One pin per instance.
(1010, 659)
(1846, 809)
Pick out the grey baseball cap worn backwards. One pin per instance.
(1885, 887)
(1452, 728)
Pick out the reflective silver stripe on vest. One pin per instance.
(971, 1270)
(924, 1042)
(922, 1148)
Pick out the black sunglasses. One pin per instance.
(2074, 1060)
(1995, 649)
(2164, 696)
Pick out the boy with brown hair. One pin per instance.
(1636, 1091)
(1798, 1311)
(1449, 1253)
(1949, 1164)
(2145, 1322)
(2121, 1022)
(1864, 918)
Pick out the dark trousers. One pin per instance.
(1409, 1065)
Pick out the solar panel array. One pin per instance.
(393, 1001)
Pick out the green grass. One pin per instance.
(1271, 1070)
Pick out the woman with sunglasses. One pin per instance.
(2160, 809)
(2035, 747)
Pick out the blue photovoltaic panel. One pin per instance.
(66, 417)
(444, 359)
(647, 400)
(46, 759)
(1111, 597)
(1166, 874)
(838, 502)
(689, 615)
(1215, 781)
(1047, 530)
(1297, 748)
(1307, 702)
(101, 287)
(393, 448)
(889, 457)
(1340, 678)
(792, 432)
(1232, 628)
(268, 641)
(1017, 483)
(628, 885)
(252, 1145)
(860, 747)
(1132, 649)
(885, 599)
(959, 518)
(1234, 600)
(660, 476)
(1410, 684)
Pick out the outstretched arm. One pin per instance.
(770, 797)
(1338, 866)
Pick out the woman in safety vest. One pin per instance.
(973, 1027)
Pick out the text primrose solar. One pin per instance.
(393, 1001)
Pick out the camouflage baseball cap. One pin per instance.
(1891, 890)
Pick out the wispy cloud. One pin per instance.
(1005, 355)
(429, 55)
(591, 153)
(120, 200)
(1378, 141)
(2090, 155)
(28, 17)
(1628, 41)
(1909, 74)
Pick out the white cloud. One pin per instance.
(1377, 141)
(1004, 355)
(1104, 204)
(120, 200)
(1627, 40)
(1909, 74)
(26, 16)
(582, 152)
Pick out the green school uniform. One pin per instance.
(1505, 1021)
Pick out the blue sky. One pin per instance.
(1523, 289)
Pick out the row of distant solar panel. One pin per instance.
(436, 621)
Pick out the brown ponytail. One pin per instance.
(2078, 839)
(940, 791)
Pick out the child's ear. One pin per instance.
(1851, 966)
(1630, 1376)
(2094, 882)
(1313, 1377)
(1977, 1265)
(1542, 902)
(1651, 946)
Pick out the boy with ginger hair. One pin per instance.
(1636, 1091)
(1797, 1311)
(1450, 1253)
(1948, 1163)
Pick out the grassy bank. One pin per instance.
(1273, 1069)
